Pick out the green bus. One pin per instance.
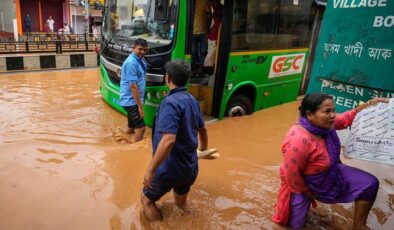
(262, 51)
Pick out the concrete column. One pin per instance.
(40, 14)
(16, 35)
(90, 59)
(3, 65)
(63, 61)
(31, 62)
(18, 16)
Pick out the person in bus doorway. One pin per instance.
(27, 22)
(132, 89)
(199, 38)
(178, 131)
(312, 170)
(217, 9)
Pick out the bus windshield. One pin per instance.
(127, 20)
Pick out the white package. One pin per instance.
(372, 134)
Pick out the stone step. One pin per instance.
(203, 106)
(194, 90)
(202, 93)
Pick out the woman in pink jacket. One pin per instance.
(312, 170)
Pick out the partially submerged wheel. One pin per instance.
(239, 105)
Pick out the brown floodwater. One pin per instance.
(65, 164)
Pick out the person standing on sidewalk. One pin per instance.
(312, 170)
(132, 89)
(177, 132)
(27, 22)
(51, 24)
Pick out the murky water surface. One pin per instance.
(65, 164)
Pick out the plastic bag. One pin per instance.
(372, 134)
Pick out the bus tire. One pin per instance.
(239, 105)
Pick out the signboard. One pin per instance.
(354, 57)
(286, 65)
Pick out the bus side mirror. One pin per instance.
(161, 10)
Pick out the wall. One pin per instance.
(54, 9)
(7, 14)
(47, 61)
(78, 18)
(80, 25)
(31, 7)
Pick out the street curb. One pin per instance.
(33, 62)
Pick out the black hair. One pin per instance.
(312, 102)
(140, 42)
(178, 71)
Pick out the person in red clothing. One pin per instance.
(213, 34)
(47, 29)
(312, 170)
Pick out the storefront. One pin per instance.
(62, 11)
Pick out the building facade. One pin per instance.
(62, 11)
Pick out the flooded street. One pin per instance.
(65, 164)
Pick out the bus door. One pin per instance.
(206, 32)
(222, 58)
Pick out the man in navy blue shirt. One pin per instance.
(132, 89)
(27, 21)
(178, 130)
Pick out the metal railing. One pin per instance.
(51, 43)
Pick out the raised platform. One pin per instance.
(44, 61)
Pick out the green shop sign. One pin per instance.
(354, 57)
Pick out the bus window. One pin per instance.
(270, 25)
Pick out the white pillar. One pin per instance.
(2, 21)
(15, 24)
(86, 16)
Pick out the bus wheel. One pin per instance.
(239, 105)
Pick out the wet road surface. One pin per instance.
(65, 164)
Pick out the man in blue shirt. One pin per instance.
(27, 21)
(178, 130)
(132, 88)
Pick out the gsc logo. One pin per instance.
(286, 65)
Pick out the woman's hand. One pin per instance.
(376, 100)
(371, 102)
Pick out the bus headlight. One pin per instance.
(148, 96)
(157, 95)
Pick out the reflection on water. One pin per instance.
(67, 164)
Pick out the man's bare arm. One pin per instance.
(162, 151)
(136, 94)
(202, 139)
